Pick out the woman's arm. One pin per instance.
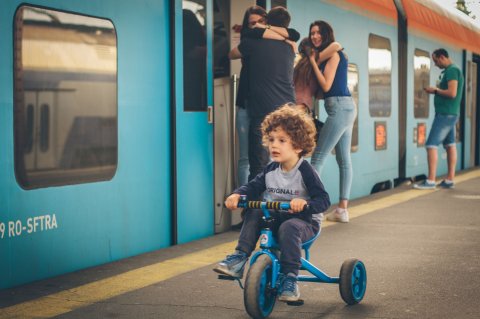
(325, 80)
(277, 33)
(328, 52)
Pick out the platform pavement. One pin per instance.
(421, 250)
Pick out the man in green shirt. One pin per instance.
(448, 96)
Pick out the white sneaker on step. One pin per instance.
(338, 215)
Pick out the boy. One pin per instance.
(289, 135)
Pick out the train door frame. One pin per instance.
(469, 113)
(476, 135)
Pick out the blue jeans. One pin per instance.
(242, 123)
(337, 133)
(443, 130)
(258, 156)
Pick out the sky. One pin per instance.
(472, 5)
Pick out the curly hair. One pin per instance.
(296, 123)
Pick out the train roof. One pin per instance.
(381, 10)
(426, 17)
(450, 25)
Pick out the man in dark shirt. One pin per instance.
(270, 79)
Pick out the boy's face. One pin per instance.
(281, 148)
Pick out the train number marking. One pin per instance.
(15, 228)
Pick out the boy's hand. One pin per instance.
(232, 201)
(297, 205)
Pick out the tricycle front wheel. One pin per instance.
(353, 281)
(259, 295)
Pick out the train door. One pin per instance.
(472, 109)
(193, 196)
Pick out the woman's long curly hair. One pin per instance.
(296, 123)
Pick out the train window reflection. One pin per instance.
(380, 76)
(194, 55)
(65, 110)
(421, 67)
(352, 83)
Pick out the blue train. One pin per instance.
(116, 117)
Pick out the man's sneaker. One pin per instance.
(445, 184)
(426, 184)
(289, 289)
(339, 215)
(233, 265)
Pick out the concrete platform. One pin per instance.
(421, 250)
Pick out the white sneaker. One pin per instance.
(338, 215)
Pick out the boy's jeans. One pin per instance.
(291, 233)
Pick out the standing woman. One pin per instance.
(304, 79)
(339, 105)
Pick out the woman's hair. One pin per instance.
(252, 10)
(326, 32)
(303, 72)
(296, 123)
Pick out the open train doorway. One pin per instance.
(473, 104)
(227, 22)
(228, 16)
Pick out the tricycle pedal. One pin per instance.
(297, 303)
(226, 277)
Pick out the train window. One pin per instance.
(194, 56)
(352, 83)
(221, 35)
(273, 3)
(65, 110)
(471, 84)
(421, 73)
(380, 76)
(276, 3)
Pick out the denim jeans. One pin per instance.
(443, 130)
(290, 232)
(242, 123)
(258, 156)
(337, 133)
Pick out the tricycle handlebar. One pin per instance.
(267, 205)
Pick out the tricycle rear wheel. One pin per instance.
(353, 281)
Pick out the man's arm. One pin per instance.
(235, 54)
(450, 93)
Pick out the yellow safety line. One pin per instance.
(88, 294)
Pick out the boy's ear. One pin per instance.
(298, 151)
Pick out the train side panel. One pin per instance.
(57, 229)
(353, 30)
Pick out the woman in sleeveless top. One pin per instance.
(339, 105)
(306, 84)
